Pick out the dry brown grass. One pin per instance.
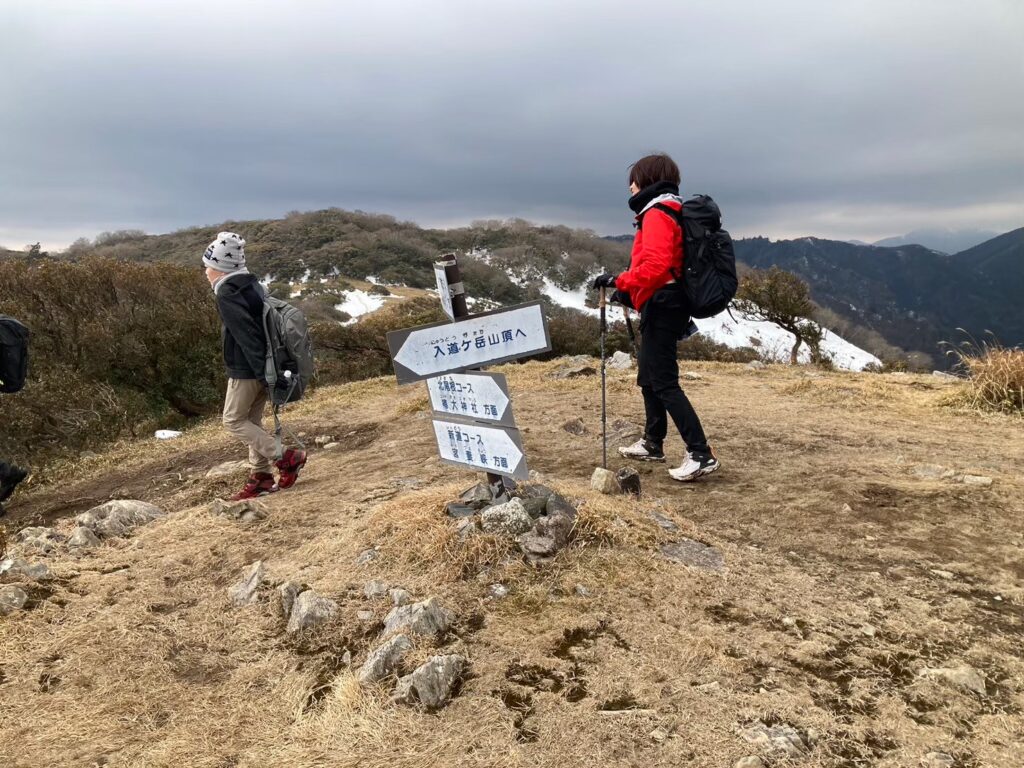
(996, 377)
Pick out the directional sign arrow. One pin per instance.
(477, 396)
(470, 342)
(493, 449)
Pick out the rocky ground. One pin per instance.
(845, 592)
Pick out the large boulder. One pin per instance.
(428, 617)
(510, 519)
(432, 684)
(118, 517)
(16, 569)
(309, 611)
(385, 660)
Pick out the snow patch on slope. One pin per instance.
(358, 303)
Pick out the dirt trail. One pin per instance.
(850, 567)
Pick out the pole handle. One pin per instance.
(601, 298)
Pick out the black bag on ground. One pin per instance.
(709, 274)
(13, 354)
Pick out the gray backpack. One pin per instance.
(289, 368)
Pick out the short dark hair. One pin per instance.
(652, 169)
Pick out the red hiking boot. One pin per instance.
(289, 465)
(259, 484)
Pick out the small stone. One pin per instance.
(751, 761)
(245, 511)
(227, 469)
(385, 660)
(692, 376)
(928, 471)
(46, 540)
(628, 480)
(620, 361)
(603, 480)
(624, 431)
(332, 446)
(400, 596)
(310, 610)
(376, 589)
(963, 676)
(582, 591)
(664, 522)
(477, 497)
(868, 630)
(12, 599)
(244, 592)
(537, 547)
(756, 365)
(938, 760)
(16, 569)
(714, 685)
(694, 554)
(432, 684)
(788, 621)
(977, 480)
(82, 539)
(428, 617)
(575, 427)
(847, 508)
(658, 734)
(287, 593)
(497, 591)
(457, 509)
(365, 616)
(558, 527)
(948, 575)
(945, 376)
(510, 518)
(321, 440)
(366, 557)
(466, 528)
(780, 739)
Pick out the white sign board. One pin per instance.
(477, 396)
(470, 342)
(494, 449)
(444, 292)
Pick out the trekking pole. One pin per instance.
(604, 396)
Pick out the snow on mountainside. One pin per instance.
(767, 338)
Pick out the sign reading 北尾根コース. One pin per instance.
(472, 395)
(477, 340)
(493, 449)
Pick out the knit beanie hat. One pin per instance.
(226, 253)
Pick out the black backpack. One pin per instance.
(709, 278)
(13, 354)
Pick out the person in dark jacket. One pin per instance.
(240, 304)
(10, 476)
(651, 286)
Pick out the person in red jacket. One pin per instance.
(650, 286)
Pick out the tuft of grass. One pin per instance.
(996, 374)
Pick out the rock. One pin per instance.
(364, 616)
(466, 528)
(376, 589)
(753, 761)
(938, 760)
(536, 546)
(321, 440)
(456, 509)
(245, 511)
(228, 469)
(603, 480)
(12, 599)
(477, 497)
(558, 527)
(928, 471)
(624, 431)
(664, 522)
(16, 569)
(694, 554)
(582, 591)
(534, 491)
(366, 557)
(310, 610)
(510, 518)
(46, 540)
(658, 734)
(620, 361)
(332, 446)
(575, 427)
(400, 596)
(428, 617)
(244, 592)
(628, 480)
(83, 538)
(846, 509)
(167, 434)
(535, 507)
(118, 517)
(948, 575)
(868, 630)
(432, 684)
(756, 365)
(691, 376)
(559, 505)
(574, 368)
(287, 593)
(781, 738)
(945, 376)
(385, 660)
(977, 480)
(497, 591)
(965, 677)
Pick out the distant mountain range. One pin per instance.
(944, 240)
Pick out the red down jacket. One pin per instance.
(657, 253)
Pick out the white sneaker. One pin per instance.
(693, 468)
(641, 450)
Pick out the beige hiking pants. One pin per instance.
(243, 418)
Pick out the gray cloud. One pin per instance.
(801, 117)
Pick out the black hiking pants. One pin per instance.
(663, 321)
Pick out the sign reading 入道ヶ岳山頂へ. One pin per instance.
(470, 342)
(493, 449)
(473, 395)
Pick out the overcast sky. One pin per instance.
(856, 119)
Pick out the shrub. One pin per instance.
(996, 376)
(701, 347)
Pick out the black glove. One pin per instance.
(604, 281)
